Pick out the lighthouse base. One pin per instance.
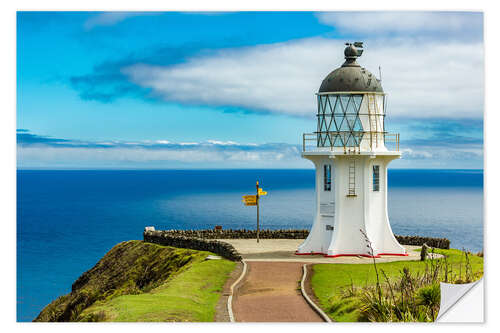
(351, 208)
(352, 255)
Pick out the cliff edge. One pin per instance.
(143, 271)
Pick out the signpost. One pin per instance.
(253, 200)
(250, 200)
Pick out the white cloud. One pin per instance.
(222, 143)
(443, 155)
(110, 18)
(423, 78)
(216, 154)
(412, 154)
(404, 22)
(197, 155)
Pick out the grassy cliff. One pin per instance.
(137, 281)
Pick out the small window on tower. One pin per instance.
(327, 171)
(376, 178)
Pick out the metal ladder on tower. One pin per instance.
(352, 178)
(372, 115)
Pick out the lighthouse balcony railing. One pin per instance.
(313, 141)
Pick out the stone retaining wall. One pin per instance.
(441, 243)
(167, 238)
(242, 233)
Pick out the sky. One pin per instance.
(166, 90)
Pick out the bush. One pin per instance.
(430, 296)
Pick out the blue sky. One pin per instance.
(236, 90)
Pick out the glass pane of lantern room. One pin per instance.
(335, 104)
(344, 99)
(357, 125)
(351, 107)
(328, 140)
(329, 122)
(337, 111)
(322, 100)
(323, 119)
(357, 101)
(342, 124)
(338, 141)
(350, 118)
(322, 123)
(330, 105)
(351, 141)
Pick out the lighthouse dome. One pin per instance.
(351, 76)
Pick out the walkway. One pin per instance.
(282, 250)
(270, 292)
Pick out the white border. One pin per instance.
(8, 121)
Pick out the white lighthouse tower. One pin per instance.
(350, 155)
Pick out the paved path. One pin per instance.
(284, 250)
(270, 292)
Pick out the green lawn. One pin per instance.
(190, 295)
(329, 281)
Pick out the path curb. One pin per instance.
(313, 305)
(230, 298)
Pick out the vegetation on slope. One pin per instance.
(127, 284)
(409, 290)
(189, 296)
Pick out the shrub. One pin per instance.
(430, 296)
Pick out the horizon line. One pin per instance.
(214, 169)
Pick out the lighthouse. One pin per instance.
(351, 151)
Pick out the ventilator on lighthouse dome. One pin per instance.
(351, 150)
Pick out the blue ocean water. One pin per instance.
(67, 220)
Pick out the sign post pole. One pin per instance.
(257, 199)
(253, 200)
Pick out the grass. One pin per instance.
(189, 296)
(335, 285)
(138, 281)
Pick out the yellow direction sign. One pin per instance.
(261, 192)
(250, 200)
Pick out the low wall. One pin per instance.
(242, 233)
(167, 238)
(441, 243)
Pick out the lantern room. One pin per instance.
(351, 109)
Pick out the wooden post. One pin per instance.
(257, 199)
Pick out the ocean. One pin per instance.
(67, 219)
